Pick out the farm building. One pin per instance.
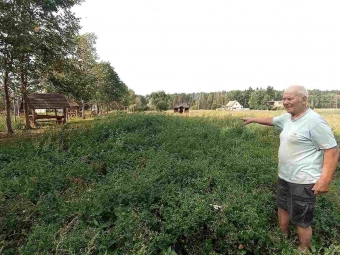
(38, 102)
(180, 108)
(233, 105)
(74, 109)
(275, 104)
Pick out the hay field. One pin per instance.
(331, 115)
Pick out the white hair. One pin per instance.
(300, 90)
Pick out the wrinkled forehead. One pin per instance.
(291, 92)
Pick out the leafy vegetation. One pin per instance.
(41, 51)
(150, 184)
(160, 100)
(85, 80)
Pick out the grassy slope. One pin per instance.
(149, 184)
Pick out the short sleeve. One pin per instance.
(280, 120)
(322, 136)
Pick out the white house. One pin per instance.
(233, 105)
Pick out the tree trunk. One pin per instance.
(25, 103)
(83, 110)
(18, 109)
(8, 105)
(14, 111)
(26, 111)
(98, 112)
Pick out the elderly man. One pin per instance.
(308, 156)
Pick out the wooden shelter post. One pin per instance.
(33, 117)
(65, 114)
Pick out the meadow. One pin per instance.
(331, 115)
(201, 183)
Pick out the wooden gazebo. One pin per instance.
(49, 102)
(74, 109)
(180, 108)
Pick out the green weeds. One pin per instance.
(150, 184)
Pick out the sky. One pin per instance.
(184, 46)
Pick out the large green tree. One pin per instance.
(160, 100)
(86, 80)
(76, 75)
(109, 87)
(33, 34)
(86, 55)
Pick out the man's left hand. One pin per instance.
(320, 187)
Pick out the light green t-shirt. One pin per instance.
(302, 142)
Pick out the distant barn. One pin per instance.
(180, 108)
(54, 102)
(275, 105)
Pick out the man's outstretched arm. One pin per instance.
(263, 121)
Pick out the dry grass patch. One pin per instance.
(331, 115)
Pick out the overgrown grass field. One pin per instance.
(151, 184)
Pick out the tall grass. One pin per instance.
(150, 184)
(331, 115)
(42, 125)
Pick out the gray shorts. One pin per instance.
(298, 200)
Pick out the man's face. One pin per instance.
(293, 103)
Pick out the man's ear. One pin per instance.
(304, 100)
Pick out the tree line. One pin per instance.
(41, 50)
(255, 99)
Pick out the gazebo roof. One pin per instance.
(184, 105)
(73, 104)
(47, 101)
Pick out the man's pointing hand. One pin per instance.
(247, 120)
